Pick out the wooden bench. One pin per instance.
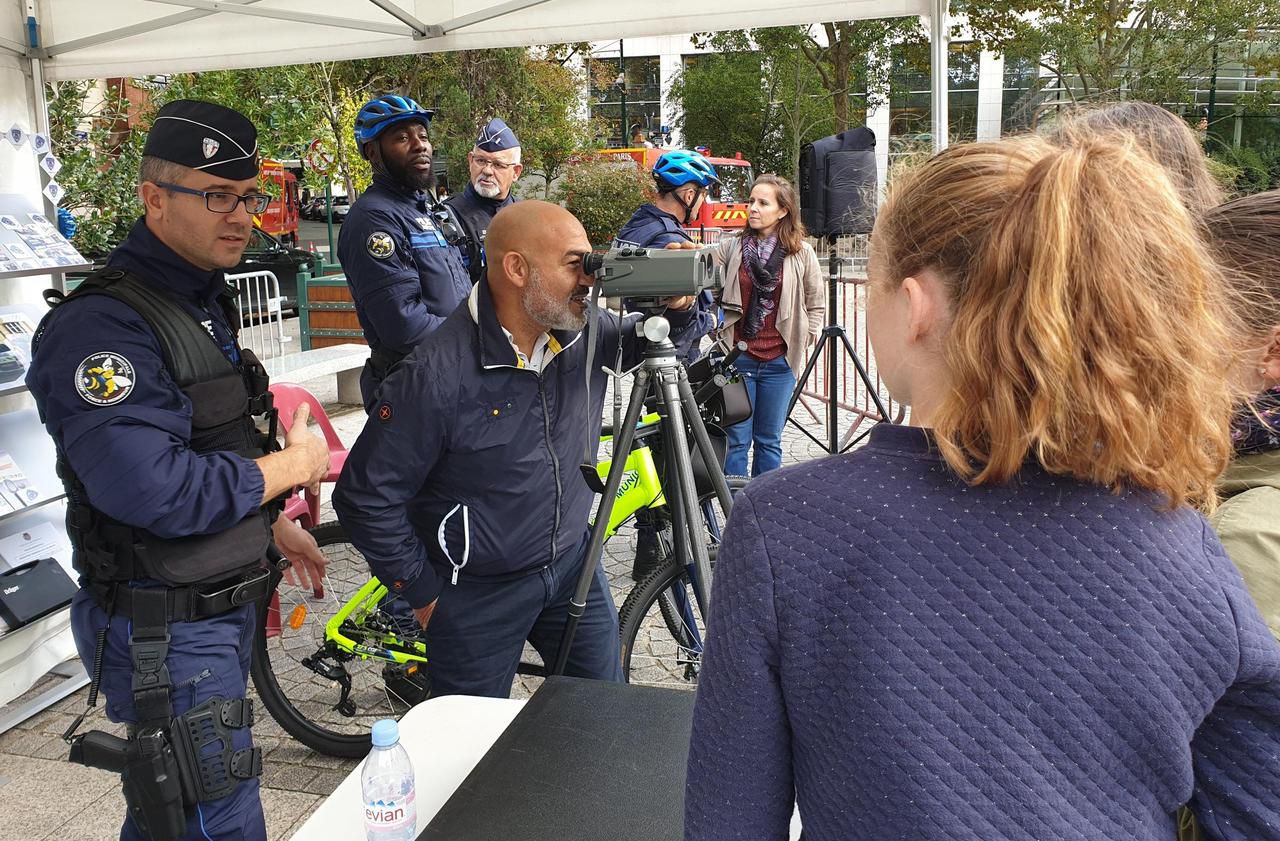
(346, 361)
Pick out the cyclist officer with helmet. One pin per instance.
(396, 244)
(683, 180)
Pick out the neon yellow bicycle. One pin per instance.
(327, 665)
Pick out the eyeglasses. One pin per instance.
(223, 202)
(497, 166)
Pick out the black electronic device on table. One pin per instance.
(33, 590)
(584, 760)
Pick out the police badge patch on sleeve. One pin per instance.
(104, 379)
(380, 245)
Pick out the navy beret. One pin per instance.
(496, 136)
(204, 136)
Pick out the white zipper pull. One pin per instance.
(456, 570)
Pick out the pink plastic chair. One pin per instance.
(303, 507)
(288, 398)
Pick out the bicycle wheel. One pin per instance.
(662, 630)
(661, 627)
(326, 689)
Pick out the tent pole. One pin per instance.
(129, 31)
(939, 45)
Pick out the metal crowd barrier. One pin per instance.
(851, 296)
(261, 318)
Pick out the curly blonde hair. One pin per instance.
(1087, 317)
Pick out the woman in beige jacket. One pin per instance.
(772, 300)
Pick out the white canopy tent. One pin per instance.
(71, 39)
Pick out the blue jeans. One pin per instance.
(769, 385)
(478, 629)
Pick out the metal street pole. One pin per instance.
(622, 74)
(328, 214)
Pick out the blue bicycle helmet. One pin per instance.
(680, 167)
(382, 113)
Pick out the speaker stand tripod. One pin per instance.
(830, 342)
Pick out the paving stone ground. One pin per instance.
(42, 796)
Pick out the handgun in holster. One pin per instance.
(169, 763)
(149, 775)
(166, 772)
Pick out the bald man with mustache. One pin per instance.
(463, 490)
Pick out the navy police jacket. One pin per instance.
(652, 227)
(469, 463)
(475, 212)
(404, 277)
(129, 445)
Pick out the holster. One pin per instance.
(169, 763)
(210, 767)
(149, 775)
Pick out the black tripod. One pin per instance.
(676, 407)
(832, 337)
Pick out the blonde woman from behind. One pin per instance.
(1010, 621)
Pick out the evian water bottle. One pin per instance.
(390, 812)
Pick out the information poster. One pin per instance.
(41, 540)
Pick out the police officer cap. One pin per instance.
(207, 137)
(496, 136)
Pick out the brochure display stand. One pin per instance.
(32, 506)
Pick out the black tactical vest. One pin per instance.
(225, 399)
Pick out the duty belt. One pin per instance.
(187, 604)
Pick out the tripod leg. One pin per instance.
(686, 498)
(623, 436)
(702, 439)
(865, 377)
(808, 371)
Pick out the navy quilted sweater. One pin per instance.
(911, 658)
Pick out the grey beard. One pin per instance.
(548, 313)
(488, 192)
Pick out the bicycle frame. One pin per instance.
(363, 603)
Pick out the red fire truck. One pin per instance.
(280, 219)
(736, 175)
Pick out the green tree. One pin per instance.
(841, 54)
(722, 103)
(603, 193)
(90, 133)
(280, 101)
(810, 81)
(1125, 49)
(550, 128)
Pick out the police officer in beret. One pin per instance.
(494, 166)
(155, 411)
(396, 245)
